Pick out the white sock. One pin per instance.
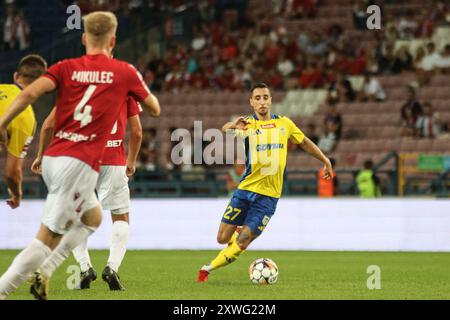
(70, 240)
(207, 268)
(81, 254)
(119, 240)
(21, 269)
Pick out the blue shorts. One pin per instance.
(251, 209)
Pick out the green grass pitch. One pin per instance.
(170, 275)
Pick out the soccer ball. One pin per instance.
(263, 271)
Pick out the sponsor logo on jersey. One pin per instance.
(270, 146)
(114, 143)
(74, 137)
(25, 147)
(268, 126)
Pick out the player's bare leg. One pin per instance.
(226, 233)
(238, 241)
(119, 240)
(90, 221)
(28, 261)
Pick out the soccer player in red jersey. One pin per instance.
(112, 189)
(91, 92)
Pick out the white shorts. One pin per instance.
(71, 191)
(112, 189)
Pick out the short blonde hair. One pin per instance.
(100, 25)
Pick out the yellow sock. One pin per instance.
(233, 238)
(226, 256)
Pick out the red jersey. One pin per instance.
(115, 154)
(91, 92)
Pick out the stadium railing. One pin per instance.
(299, 182)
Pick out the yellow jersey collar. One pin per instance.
(274, 116)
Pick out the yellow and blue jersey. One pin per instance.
(265, 145)
(22, 128)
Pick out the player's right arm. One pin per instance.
(25, 98)
(44, 140)
(140, 91)
(151, 105)
(238, 124)
(134, 144)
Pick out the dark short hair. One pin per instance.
(259, 85)
(32, 67)
(368, 164)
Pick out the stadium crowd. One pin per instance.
(228, 54)
(16, 30)
(237, 42)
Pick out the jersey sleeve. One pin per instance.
(295, 134)
(133, 107)
(54, 73)
(137, 87)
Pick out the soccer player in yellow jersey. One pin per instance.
(21, 129)
(254, 202)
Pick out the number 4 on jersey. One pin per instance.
(84, 115)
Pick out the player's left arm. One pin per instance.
(135, 143)
(29, 95)
(297, 136)
(44, 140)
(310, 147)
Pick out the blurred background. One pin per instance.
(376, 101)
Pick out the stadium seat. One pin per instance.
(424, 145)
(376, 145)
(440, 145)
(408, 145)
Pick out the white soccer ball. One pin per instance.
(263, 271)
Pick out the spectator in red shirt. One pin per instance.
(425, 29)
(311, 77)
(302, 9)
(357, 65)
(271, 54)
(229, 50)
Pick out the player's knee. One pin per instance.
(222, 239)
(244, 240)
(93, 217)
